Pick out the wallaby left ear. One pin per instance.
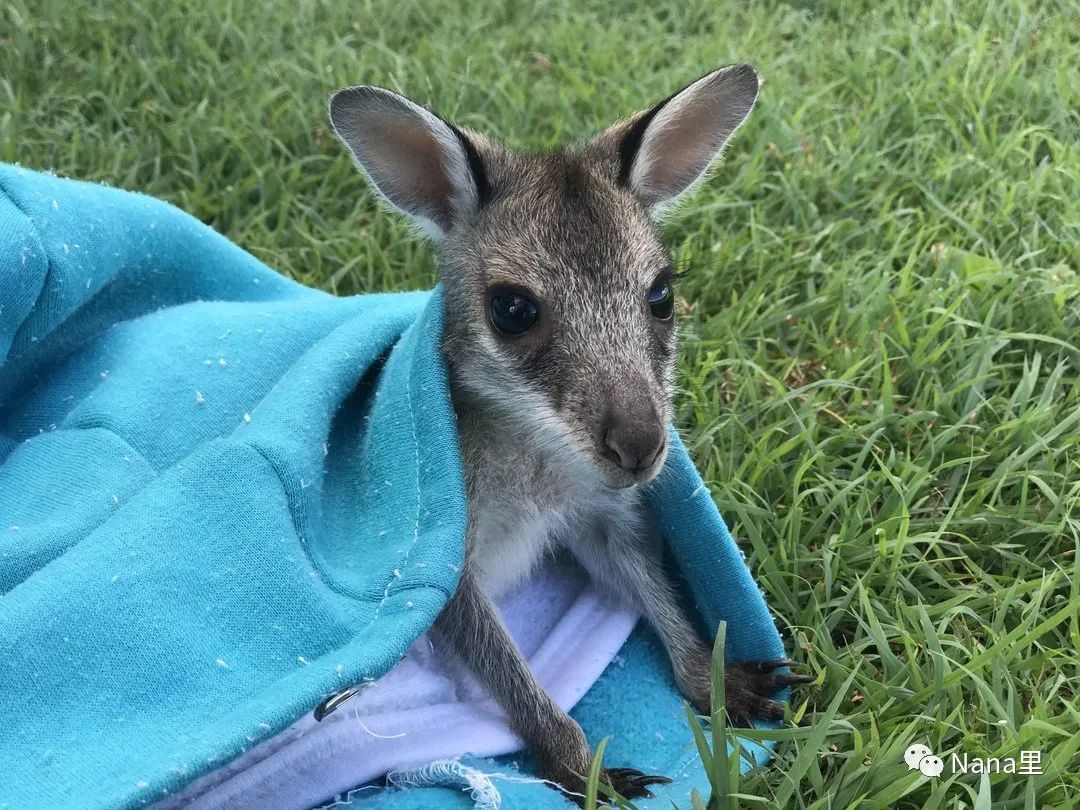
(664, 151)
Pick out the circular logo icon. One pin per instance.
(914, 755)
(931, 766)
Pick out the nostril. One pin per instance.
(616, 452)
(651, 457)
(634, 451)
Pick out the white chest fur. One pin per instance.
(515, 527)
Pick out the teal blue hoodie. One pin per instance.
(224, 496)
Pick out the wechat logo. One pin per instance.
(920, 758)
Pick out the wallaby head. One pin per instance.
(559, 294)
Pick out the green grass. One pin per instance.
(880, 358)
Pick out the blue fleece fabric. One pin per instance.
(224, 496)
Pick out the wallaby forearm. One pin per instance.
(629, 568)
(472, 627)
(632, 569)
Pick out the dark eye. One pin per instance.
(661, 300)
(513, 314)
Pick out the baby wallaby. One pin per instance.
(560, 341)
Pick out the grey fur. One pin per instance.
(547, 420)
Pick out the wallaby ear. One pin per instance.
(664, 151)
(423, 165)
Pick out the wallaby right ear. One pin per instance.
(423, 165)
(661, 153)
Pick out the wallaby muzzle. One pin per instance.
(632, 435)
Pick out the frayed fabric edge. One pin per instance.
(453, 773)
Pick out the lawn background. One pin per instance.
(880, 344)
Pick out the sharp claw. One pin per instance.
(765, 667)
(781, 662)
(644, 780)
(791, 678)
(778, 679)
(773, 710)
(632, 783)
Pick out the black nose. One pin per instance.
(634, 443)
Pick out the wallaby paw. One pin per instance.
(631, 783)
(750, 685)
